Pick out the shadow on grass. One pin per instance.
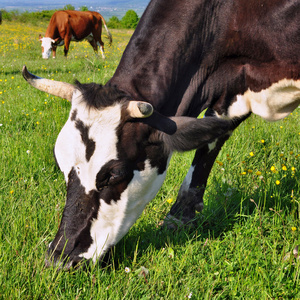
(217, 218)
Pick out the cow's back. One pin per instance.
(77, 23)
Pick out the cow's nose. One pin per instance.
(62, 264)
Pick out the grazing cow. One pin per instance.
(69, 25)
(231, 57)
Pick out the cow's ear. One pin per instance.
(192, 133)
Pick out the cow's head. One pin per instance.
(114, 153)
(47, 45)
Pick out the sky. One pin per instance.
(106, 7)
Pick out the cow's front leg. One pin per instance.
(54, 51)
(67, 41)
(190, 196)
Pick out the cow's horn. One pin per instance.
(139, 109)
(56, 88)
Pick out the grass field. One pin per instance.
(241, 249)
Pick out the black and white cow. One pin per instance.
(231, 57)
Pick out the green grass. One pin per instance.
(239, 250)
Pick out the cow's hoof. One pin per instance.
(173, 223)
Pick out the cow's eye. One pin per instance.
(108, 179)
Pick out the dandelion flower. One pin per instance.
(251, 153)
(273, 169)
(219, 163)
(284, 168)
(170, 200)
(262, 141)
(294, 228)
(258, 173)
(277, 182)
(11, 192)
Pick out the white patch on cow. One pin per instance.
(272, 104)
(70, 150)
(115, 219)
(186, 182)
(46, 46)
(212, 145)
(101, 50)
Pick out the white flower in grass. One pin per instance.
(127, 270)
(28, 151)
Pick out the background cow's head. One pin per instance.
(47, 45)
(114, 153)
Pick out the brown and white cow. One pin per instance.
(231, 57)
(70, 25)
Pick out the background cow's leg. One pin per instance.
(101, 46)
(97, 40)
(95, 47)
(190, 196)
(67, 41)
(54, 51)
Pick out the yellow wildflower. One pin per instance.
(170, 200)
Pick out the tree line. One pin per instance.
(129, 20)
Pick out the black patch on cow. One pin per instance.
(99, 96)
(135, 145)
(89, 143)
(84, 132)
(73, 236)
(113, 179)
(74, 115)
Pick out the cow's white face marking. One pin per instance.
(272, 104)
(70, 150)
(46, 47)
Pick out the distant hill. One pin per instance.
(107, 8)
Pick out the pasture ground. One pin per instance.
(242, 247)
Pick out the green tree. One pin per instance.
(69, 7)
(84, 8)
(114, 22)
(130, 20)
